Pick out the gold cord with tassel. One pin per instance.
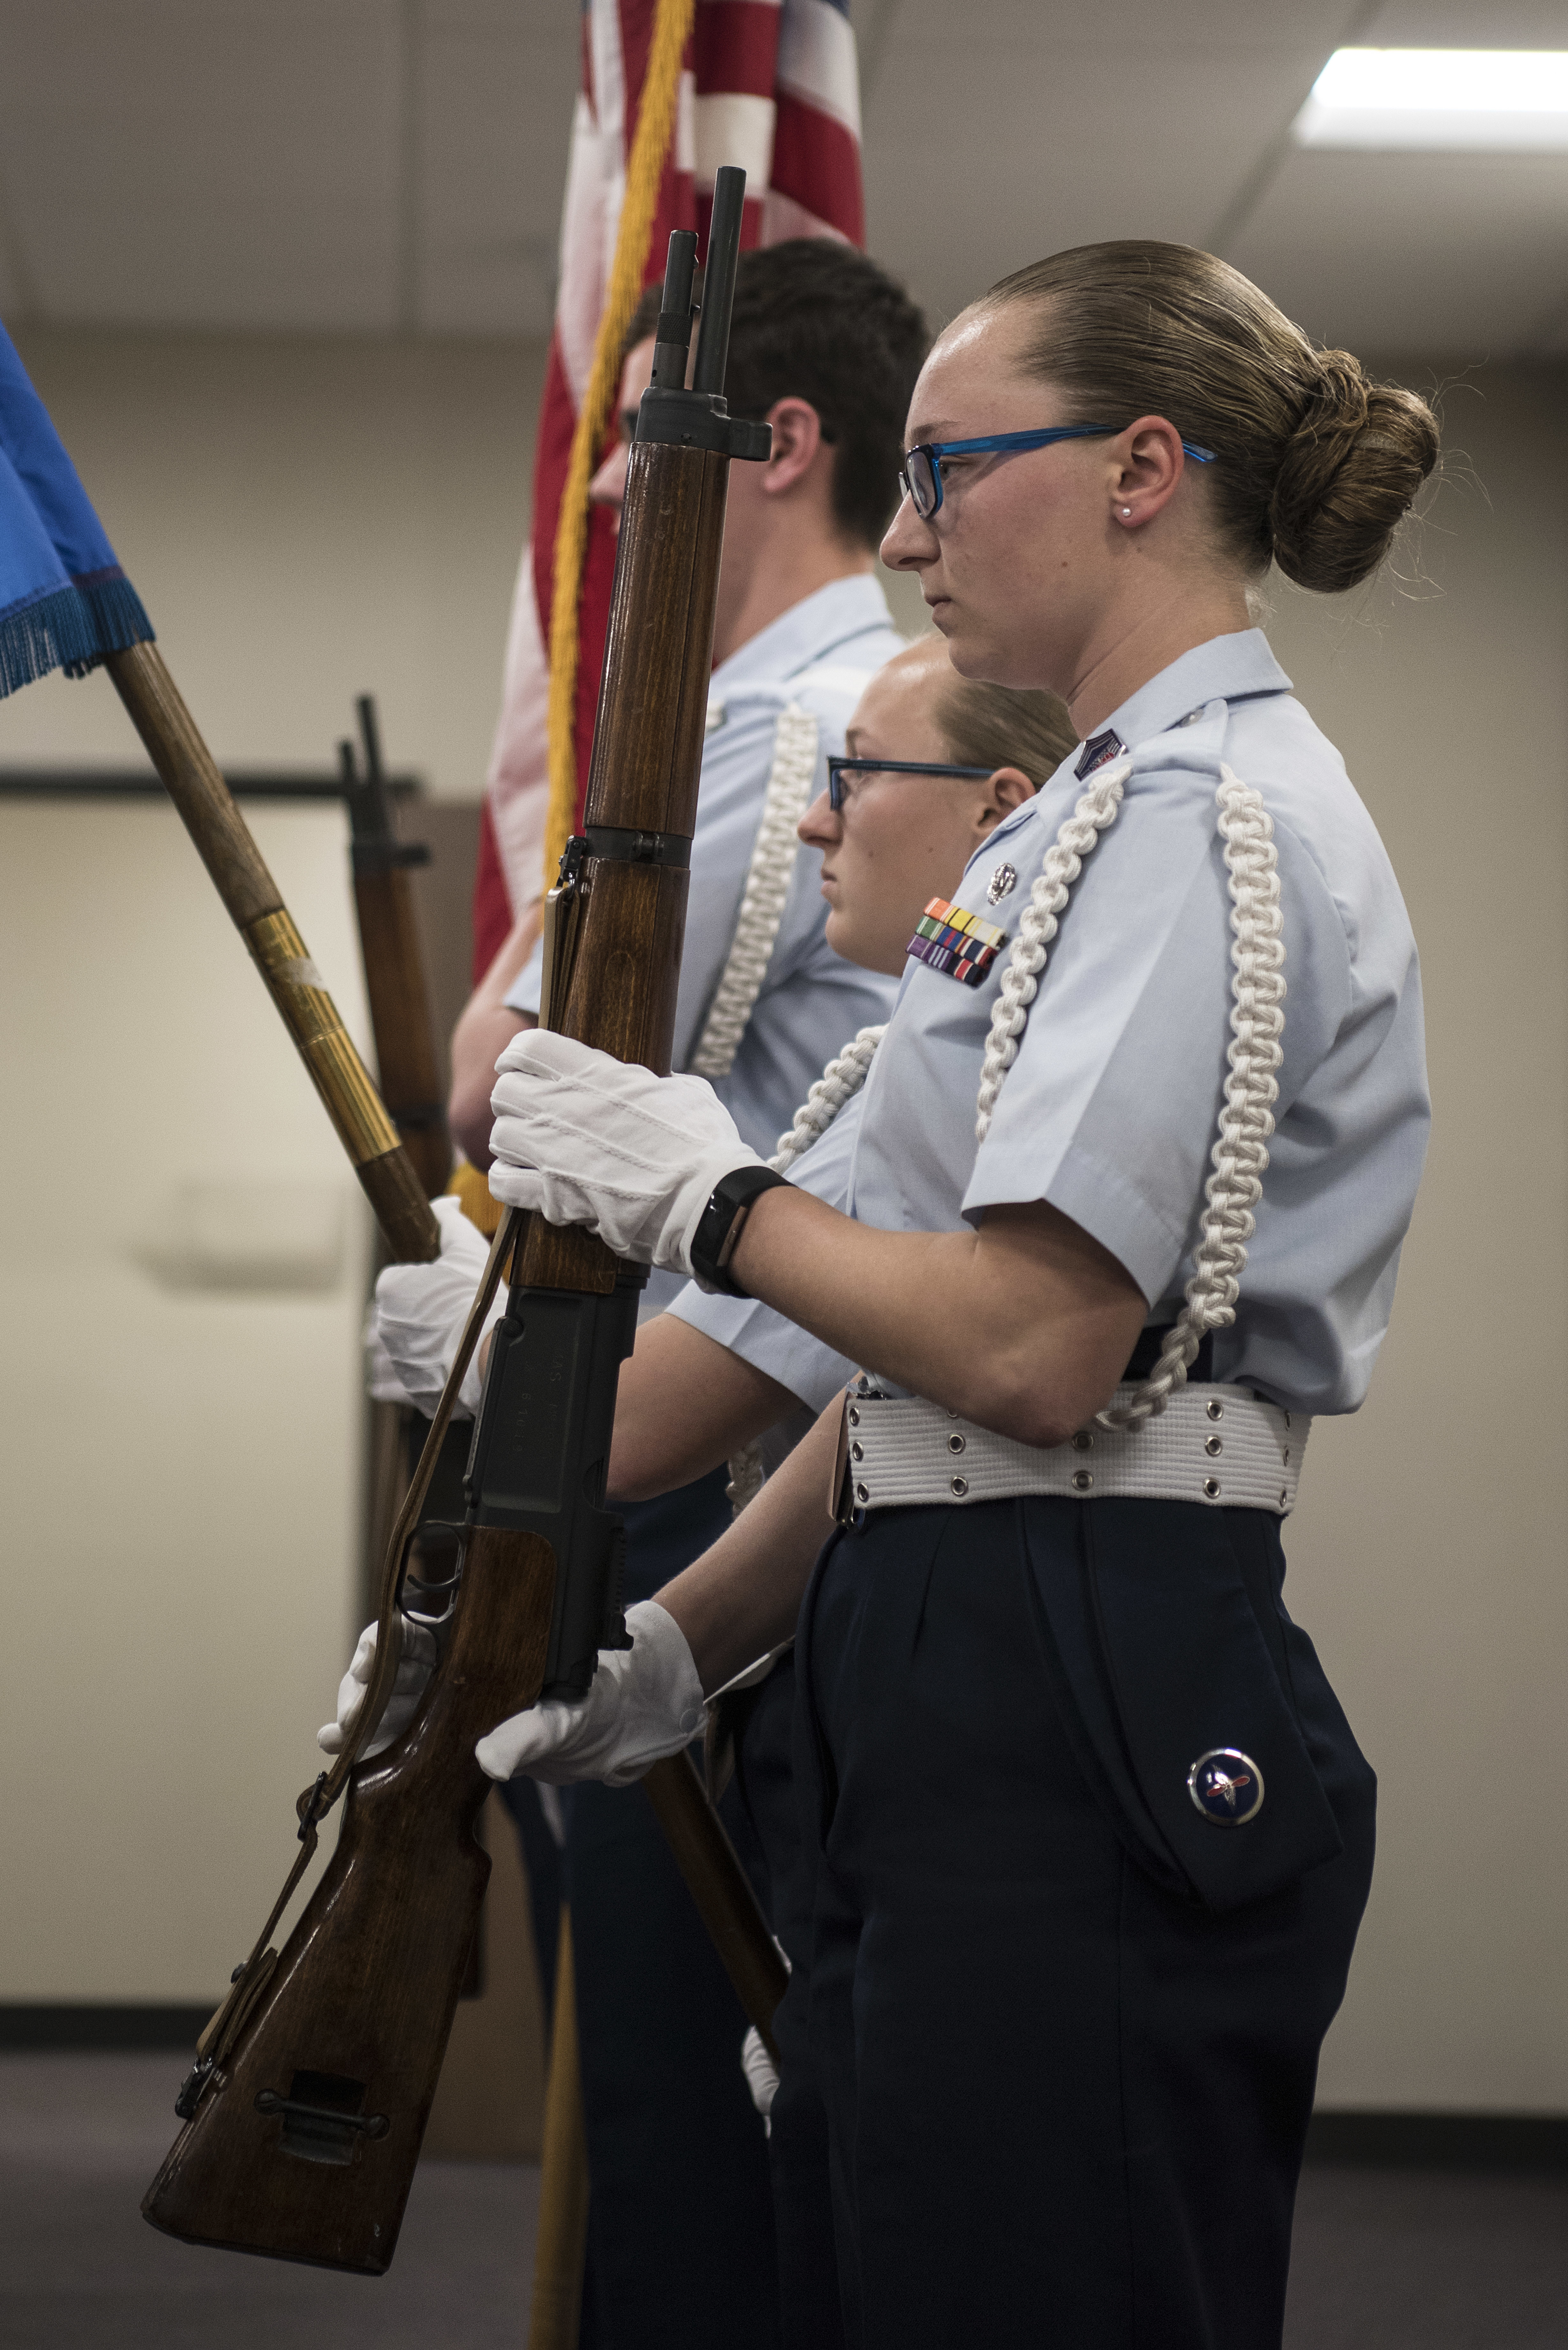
(645, 171)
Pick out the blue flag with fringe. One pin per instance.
(64, 600)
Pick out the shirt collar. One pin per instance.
(1232, 669)
(819, 625)
(1229, 669)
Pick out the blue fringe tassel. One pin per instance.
(70, 629)
(116, 615)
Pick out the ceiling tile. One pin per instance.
(1462, 25)
(1122, 30)
(173, 163)
(1073, 152)
(1463, 255)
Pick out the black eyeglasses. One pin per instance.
(920, 475)
(838, 768)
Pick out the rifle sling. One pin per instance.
(317, 1799)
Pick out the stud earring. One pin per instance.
(1126, 510)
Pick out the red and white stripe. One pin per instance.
(772, 85)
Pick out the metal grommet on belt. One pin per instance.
(1215, 1408)
(955, 1443)
(1212, 1445)
(1082, 1480)
(961, 1486)
(1211, 1487)
(858, 1452)
(862, 1493)
(1083, 1441)
(853, 1417)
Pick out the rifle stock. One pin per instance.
(342, 2040)
(304, 2144)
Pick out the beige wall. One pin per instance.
(180, 1398)
(1430, 1553)
(306, 519)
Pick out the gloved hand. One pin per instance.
(417, 1316)
(644, 1703)
(414, 1668)
(587, 1139)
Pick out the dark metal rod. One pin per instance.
(719, 279)
(371, 737)
(674, 334)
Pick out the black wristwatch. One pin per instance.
(722, 1220)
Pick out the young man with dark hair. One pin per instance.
(827, 348)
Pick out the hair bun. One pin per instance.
(1348, 475)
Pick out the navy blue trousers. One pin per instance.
(680, 2228)
(1050, 2044)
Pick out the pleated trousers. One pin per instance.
(1052, 2035)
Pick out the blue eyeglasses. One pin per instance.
(838, 768)
(920, 475)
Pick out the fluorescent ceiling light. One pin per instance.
(1508, 100)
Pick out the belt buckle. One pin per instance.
(843, 1507)
(841, 1490)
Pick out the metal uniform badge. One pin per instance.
(1096, 751)
(1227, 1786)
(1004, 879)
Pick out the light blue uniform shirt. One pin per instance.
(817, 656)
(1110, 1112)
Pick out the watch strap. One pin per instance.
(720, 1226)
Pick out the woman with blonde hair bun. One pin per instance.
(1087, 1837)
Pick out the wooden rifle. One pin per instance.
(305, 2109)
(406, 1059)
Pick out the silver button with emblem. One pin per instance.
(1226, 1786)
(1004, 879)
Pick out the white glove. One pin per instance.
(644, 1703)
(584, 1138)
(417, 1316)
(762, 2074)
(414, 1668)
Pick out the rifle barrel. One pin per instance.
(407, 1059)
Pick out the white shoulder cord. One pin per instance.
(1257, 1024)
(838, 1084)
(763, 900)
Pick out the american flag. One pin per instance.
(772, 85)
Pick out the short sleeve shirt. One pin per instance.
(1110, 1110)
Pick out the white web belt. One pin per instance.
(1221, 1446)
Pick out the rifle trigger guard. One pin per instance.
(309, 1806)
(191, 2086)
